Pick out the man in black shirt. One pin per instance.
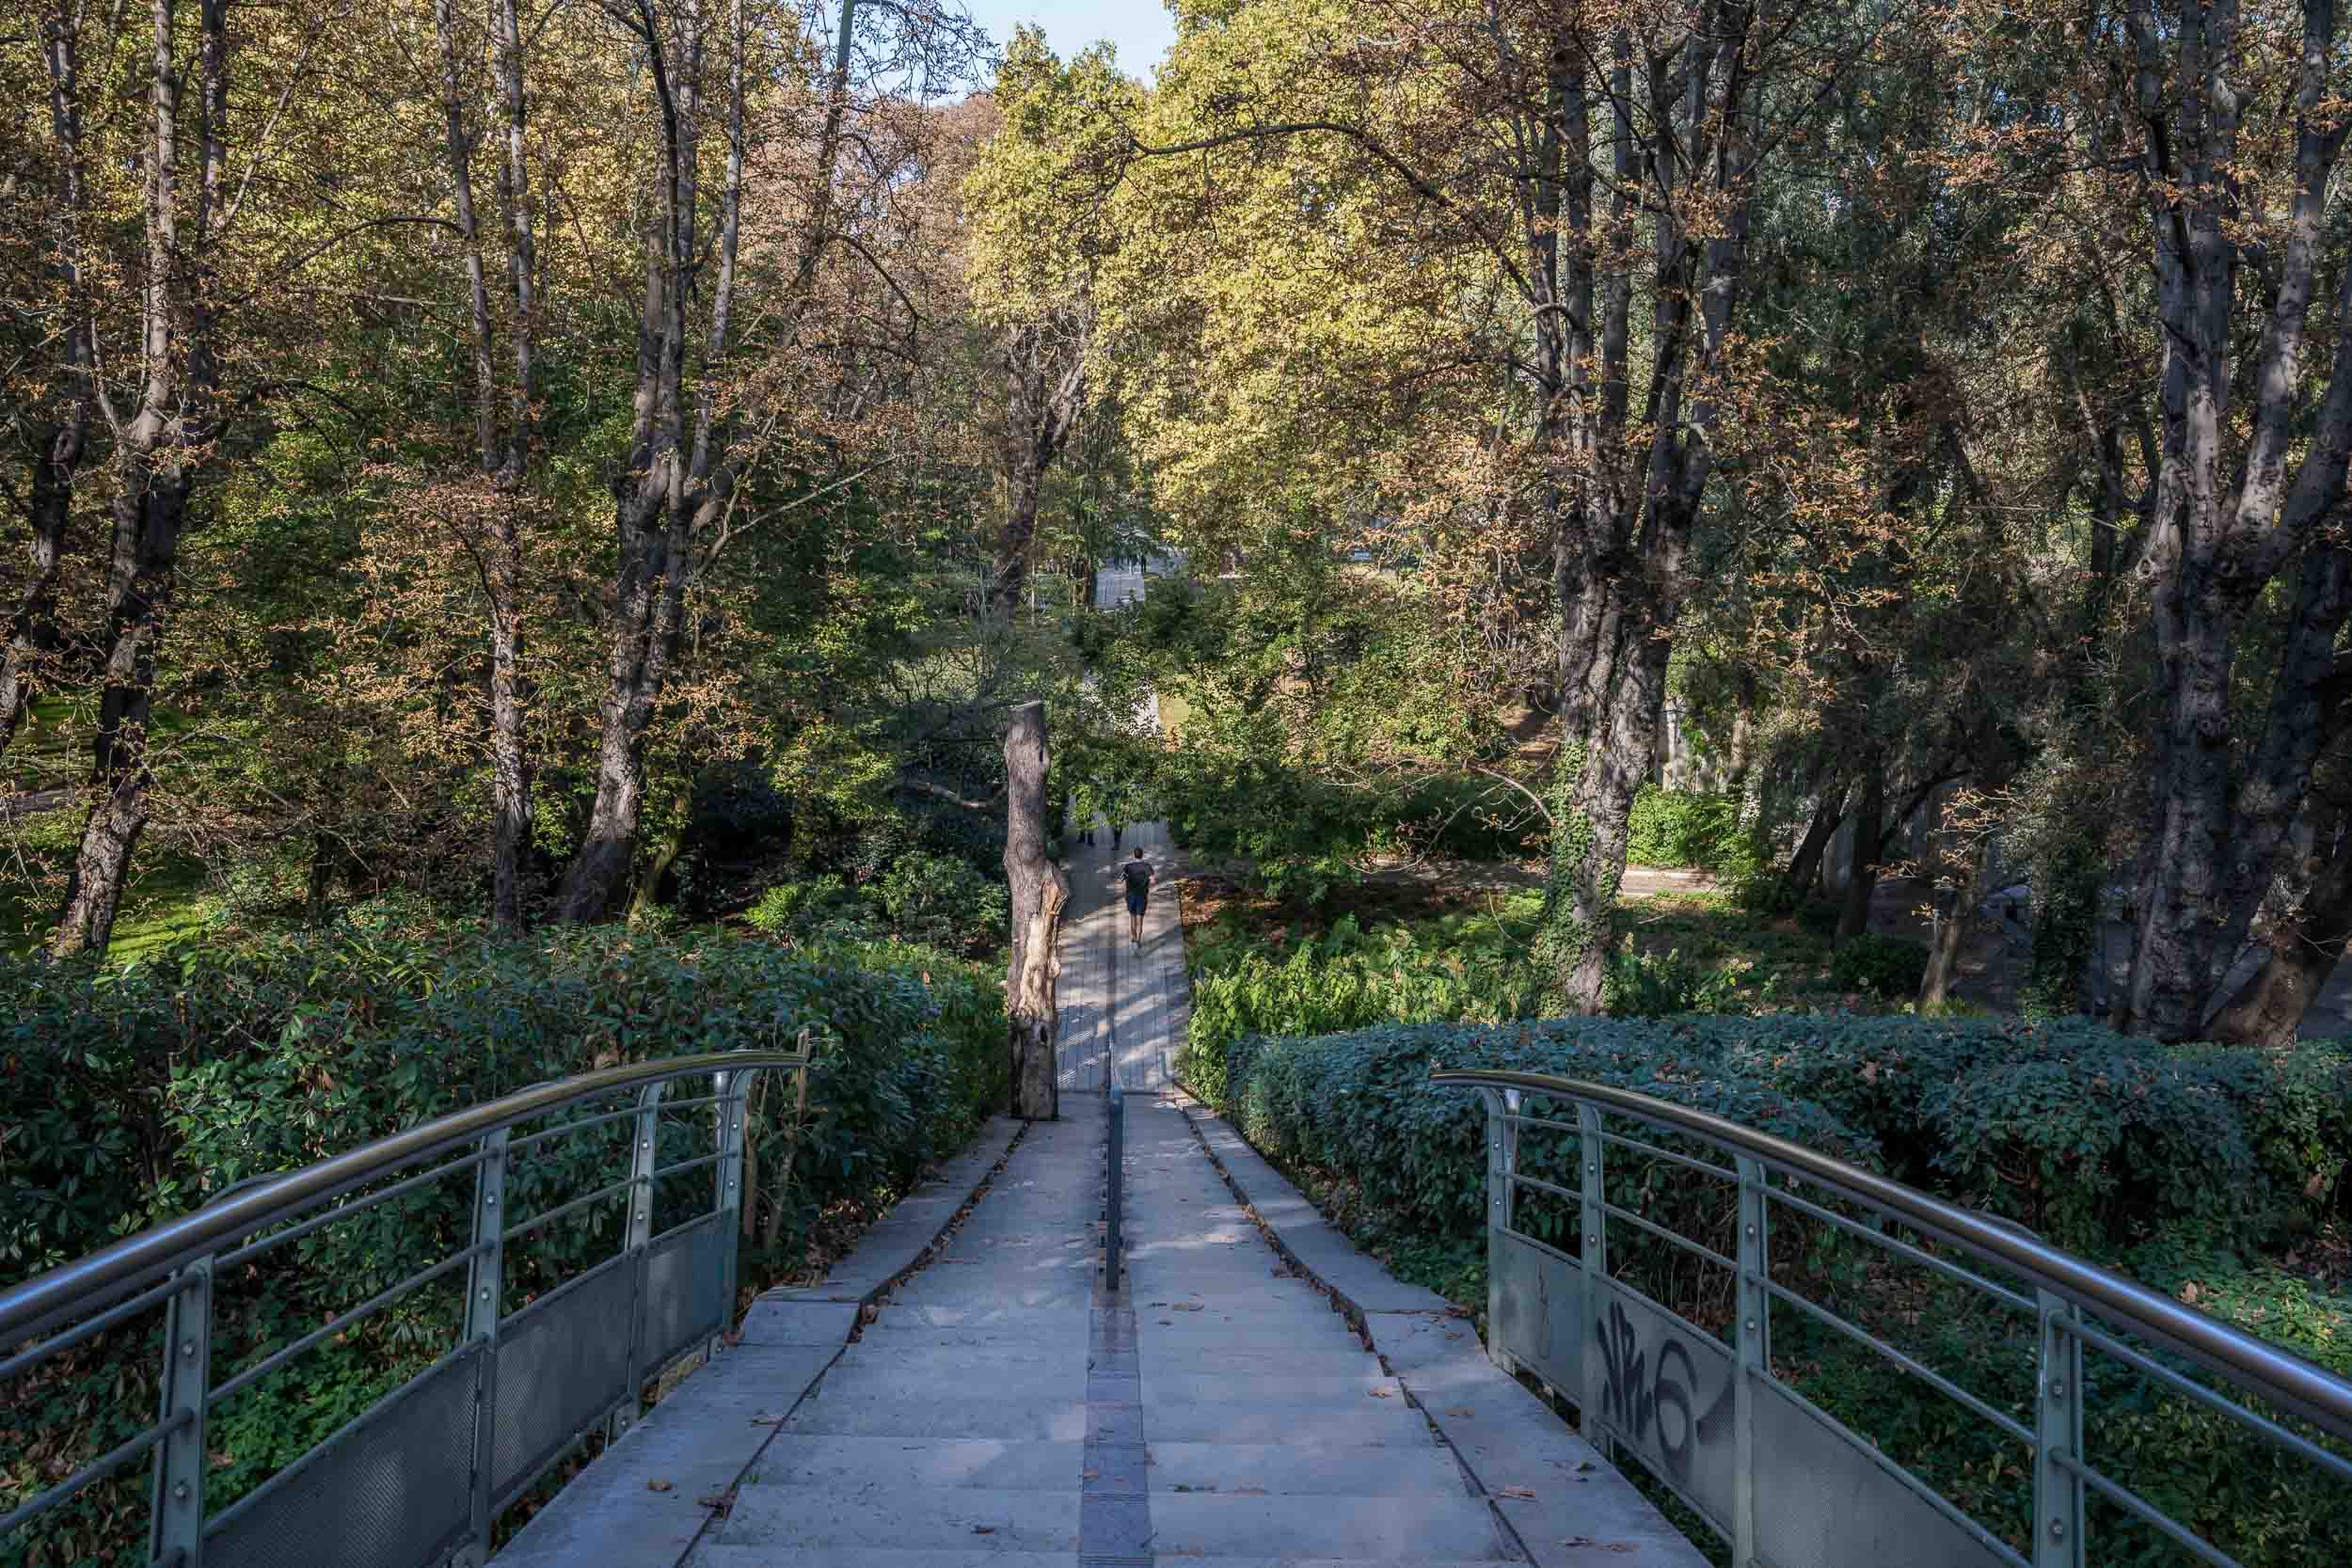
(1138, 874)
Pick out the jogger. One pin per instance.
(1138, 874)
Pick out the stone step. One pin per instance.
(956, 1519)
(1175, 1383)
(849, 1464)
(1339, 1357)
(1284, 1469)
(1043, 1322)
(1005, 1358)
(720, 1555)
(1381, 1423)
(1028, 1292)
(885, 1378)
(947, 1417)
(1189, 1526)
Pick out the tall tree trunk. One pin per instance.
(2240, 490)
(1953, 904)
(58, 446)
(2305, 941)
(680, 480)
(504, 462)
(1869, 833)
(1804, 866)
(1040, 891)
(1045, 373)
(159, 456)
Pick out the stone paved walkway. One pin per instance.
(1003, 1401)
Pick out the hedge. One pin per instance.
(129, 1097)
(2176, 1162)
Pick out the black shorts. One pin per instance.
(1136, 901)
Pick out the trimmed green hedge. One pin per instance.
(2178, 1164)
(128, 1097)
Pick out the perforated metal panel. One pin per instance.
(1538, 1306)
(1667, 1396)
(1821, 1501)
(682, 1303)
(391, 1490)
(563, 1361)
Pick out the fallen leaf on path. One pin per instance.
(1525, 1493)
(1248, 1492)
(1190, 1307)
(984, 1529)
(657, 1486)
(1462, 1412)
(1587, 1543)
(1381, 1393)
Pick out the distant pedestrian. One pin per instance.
(1118, 829)
(1138, 873)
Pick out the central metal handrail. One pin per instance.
(487, 1417)
(1718, 1419)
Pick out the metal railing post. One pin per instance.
(177, 1512)
(1501, 1146)
(2058, 1493)
(1115, 1198)
(1754, 1349)
(485, 1298)
(643, 1149)
(734, 1110)
(1593, 1222)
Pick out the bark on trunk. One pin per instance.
(2230, 510)
(679, 482)
(1804, 866)
(1951, 930)
(1615, 768)
(58, 446)
(1869, 829)
(1045, 372)
(504, 460)
(1040, 891)
(159, 456)
(2305, 941)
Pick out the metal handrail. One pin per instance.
(98, 1280)
(2277, 1374)
(662, 1296)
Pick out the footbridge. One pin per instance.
(1122, 1337)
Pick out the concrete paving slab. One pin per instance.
(1213, 1523)
(881, 1518)
(837, 1557)
(850, 1462)
(1298, 1469)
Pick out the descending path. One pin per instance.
(1001, 1402)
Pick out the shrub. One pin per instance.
(809, 907)
(943, 900)
(1655, 984)
(129, 1095)
(1676, 829)
(1887, 967)
(2173, 1160)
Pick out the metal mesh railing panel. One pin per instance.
(1821, 1500)
(392, 1490)
(563, 1361)
(681, 1288)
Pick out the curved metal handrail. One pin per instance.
(106, 1275)
(2280, 1376)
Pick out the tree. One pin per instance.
(2250, 465)
(1040, 892)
